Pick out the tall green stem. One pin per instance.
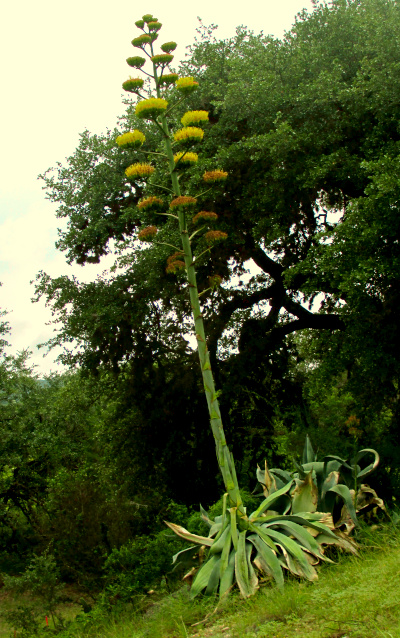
(225, 459)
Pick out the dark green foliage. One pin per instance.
(41, 580)
(142, 564)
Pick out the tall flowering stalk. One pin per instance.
(156, 110)
(239, 544)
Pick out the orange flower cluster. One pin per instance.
(148, 233)
(150, 202)
(175, 263)
(183, 200)
(205, 215)
(214, 176)
(215, 236)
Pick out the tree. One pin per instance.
(301, 125)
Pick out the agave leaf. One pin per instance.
(301, 519)
(264, 536)
(204, 516)
(213, 580)
(242, 567)
(221, 528)
(302, 535)
(203, 576)
(224, 507)
(331, 480)
(281, 477)
(227, 576)
(219, 542)
(226, 552)
(323, 518)
(304, 570)
(267, 560)
(371, 467)
(323, 539)
(267, 480)
(183, 533)
(344, 492)
(184, 553)
(301, 471)
(295, 550)
(308, 452)
(367, 500)
(270, 501)
(305, 495)
(217, 525)
(253, 580)
(234, 532)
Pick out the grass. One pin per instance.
(355, 598)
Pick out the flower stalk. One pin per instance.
(155, 109)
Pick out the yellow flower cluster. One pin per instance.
(139, 170)
(148, 233)
(194, 117)
(186, 85)
(151, 108)
(214, 176)
(186, 158)
(205, 215)
(183, 200)
(189, 134)
(133, 139)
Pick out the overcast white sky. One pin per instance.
(62, 68)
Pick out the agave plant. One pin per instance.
(332, 485)
(265, 543)
(238, 544)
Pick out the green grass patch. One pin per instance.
(355, 597)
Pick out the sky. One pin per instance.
(63, 64)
